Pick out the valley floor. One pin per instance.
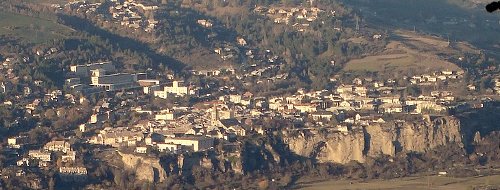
(416, 183)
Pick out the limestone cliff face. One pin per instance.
(429, 134)
(335, 147)
(379, 141)
(376, 139)
(146, 169)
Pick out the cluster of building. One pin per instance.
(433, 78)
(129, 13)
(133, 14)
(177, 130)
(7, 66)
(80, 6)
(205, 23)
(54, 151)
(227, 51)
(299, 18)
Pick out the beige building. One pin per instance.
(40, 155)
(73, 173)
(17, 142)
(166, 115)
(57, 146)
(70, 156)
(177, 88)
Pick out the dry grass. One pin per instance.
(397, 58)
(409, 51)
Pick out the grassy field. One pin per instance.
(414, 183)
(397, 59)
(35, 30)
(409, 51)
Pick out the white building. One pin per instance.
(177, 89)
(164, 147)
(84, 70)
(193, 143)
(113, 82)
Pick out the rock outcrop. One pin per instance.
(145, 168)
(373, 140)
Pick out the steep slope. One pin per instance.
(145, 169)
(377, 139)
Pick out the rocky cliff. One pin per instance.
(145, 168)
(373, 140)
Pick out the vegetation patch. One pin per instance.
(35, 30)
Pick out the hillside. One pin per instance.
(441, 18)
(410, 51)
(32, 29)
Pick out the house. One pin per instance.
(391, 108)
(344, 89)
(258, 129)
(84, 127)
(342, 128)
(141, 149)
(166, 115)
(319, 115)
(447, 72)
(18, 141)
(73, 173)
(379, 120)
(307, 107)
(70, 156)
(422, 106)
(226, 113)
(360, 90)
(215, 133)
(390, 100)
(40, 155)
(164, 147)
(237, 130)
(116, 138)
(471, 87)
(357, 81)
(57, 146)
(23, 162)
(226, 123)
(196, 131)
(241, 41)
(205, 23)
(235, 98)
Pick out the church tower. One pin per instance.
(214, 119)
